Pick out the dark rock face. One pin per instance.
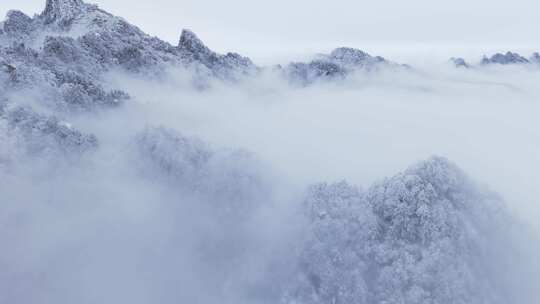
(504, 59)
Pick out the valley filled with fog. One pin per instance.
(136, 171)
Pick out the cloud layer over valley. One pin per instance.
(136, 171)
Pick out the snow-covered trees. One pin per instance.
(231, 177)
(336, 65)
(352, 58)
(307, 73)
(45, 135)
(62, 11)
(428, 235)
(68, 48)
(417, 237)
(333, 263)
(17, 23)
(228, 67)
(64, 74)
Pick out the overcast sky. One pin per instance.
(266, 28)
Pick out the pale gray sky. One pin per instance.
(266, 28)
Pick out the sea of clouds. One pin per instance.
(117, 226)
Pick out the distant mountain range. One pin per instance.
(507, 58)
(71, 44)
(65, 51)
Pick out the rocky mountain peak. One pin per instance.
(508, 58)
(353, 58)
(191, 43)
(349, 55)
(62, 11)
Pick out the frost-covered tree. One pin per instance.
(333, 263)
(427, 235)
(43, 135)
(336, 66)
(232, 180)
(17, 23)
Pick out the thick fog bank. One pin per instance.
(366, 127)
(184, 194)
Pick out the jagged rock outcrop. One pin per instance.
(504, 59)
(68, 47)
(427, 235)
(228, 67)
